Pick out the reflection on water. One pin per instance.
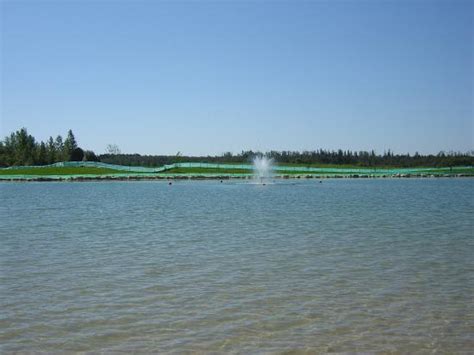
(376, 265)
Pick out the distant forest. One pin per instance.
(21, 148)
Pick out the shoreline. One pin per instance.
(84, 178)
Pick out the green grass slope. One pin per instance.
(44, 171)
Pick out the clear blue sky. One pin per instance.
(207, 77)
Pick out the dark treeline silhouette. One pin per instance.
(339, 157)
(21, 148)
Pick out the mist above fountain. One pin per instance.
(262, 168)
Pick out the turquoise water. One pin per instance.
(343, 265)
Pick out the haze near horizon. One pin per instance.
(211, 77)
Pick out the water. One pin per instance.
(346, 265)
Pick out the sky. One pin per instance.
(208, 77)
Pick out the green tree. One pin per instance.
(51, 151)
(24, 148)
(42, 154)
(59, 145)
(3, 155)
(89, 155)
(70, 145)
(9, 147)
(77, 155)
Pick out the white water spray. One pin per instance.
(262, 167)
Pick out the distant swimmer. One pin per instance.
(170, 183)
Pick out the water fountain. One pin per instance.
(262, 167)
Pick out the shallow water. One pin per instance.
(345, 265)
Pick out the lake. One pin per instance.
(373, 265)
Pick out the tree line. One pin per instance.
(21, 148)
(305, 158)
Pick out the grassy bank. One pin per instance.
(207, 171)
(340, 170)
(114, 172)
(59, 170)
(227, 171)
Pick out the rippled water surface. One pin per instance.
(343, 265)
